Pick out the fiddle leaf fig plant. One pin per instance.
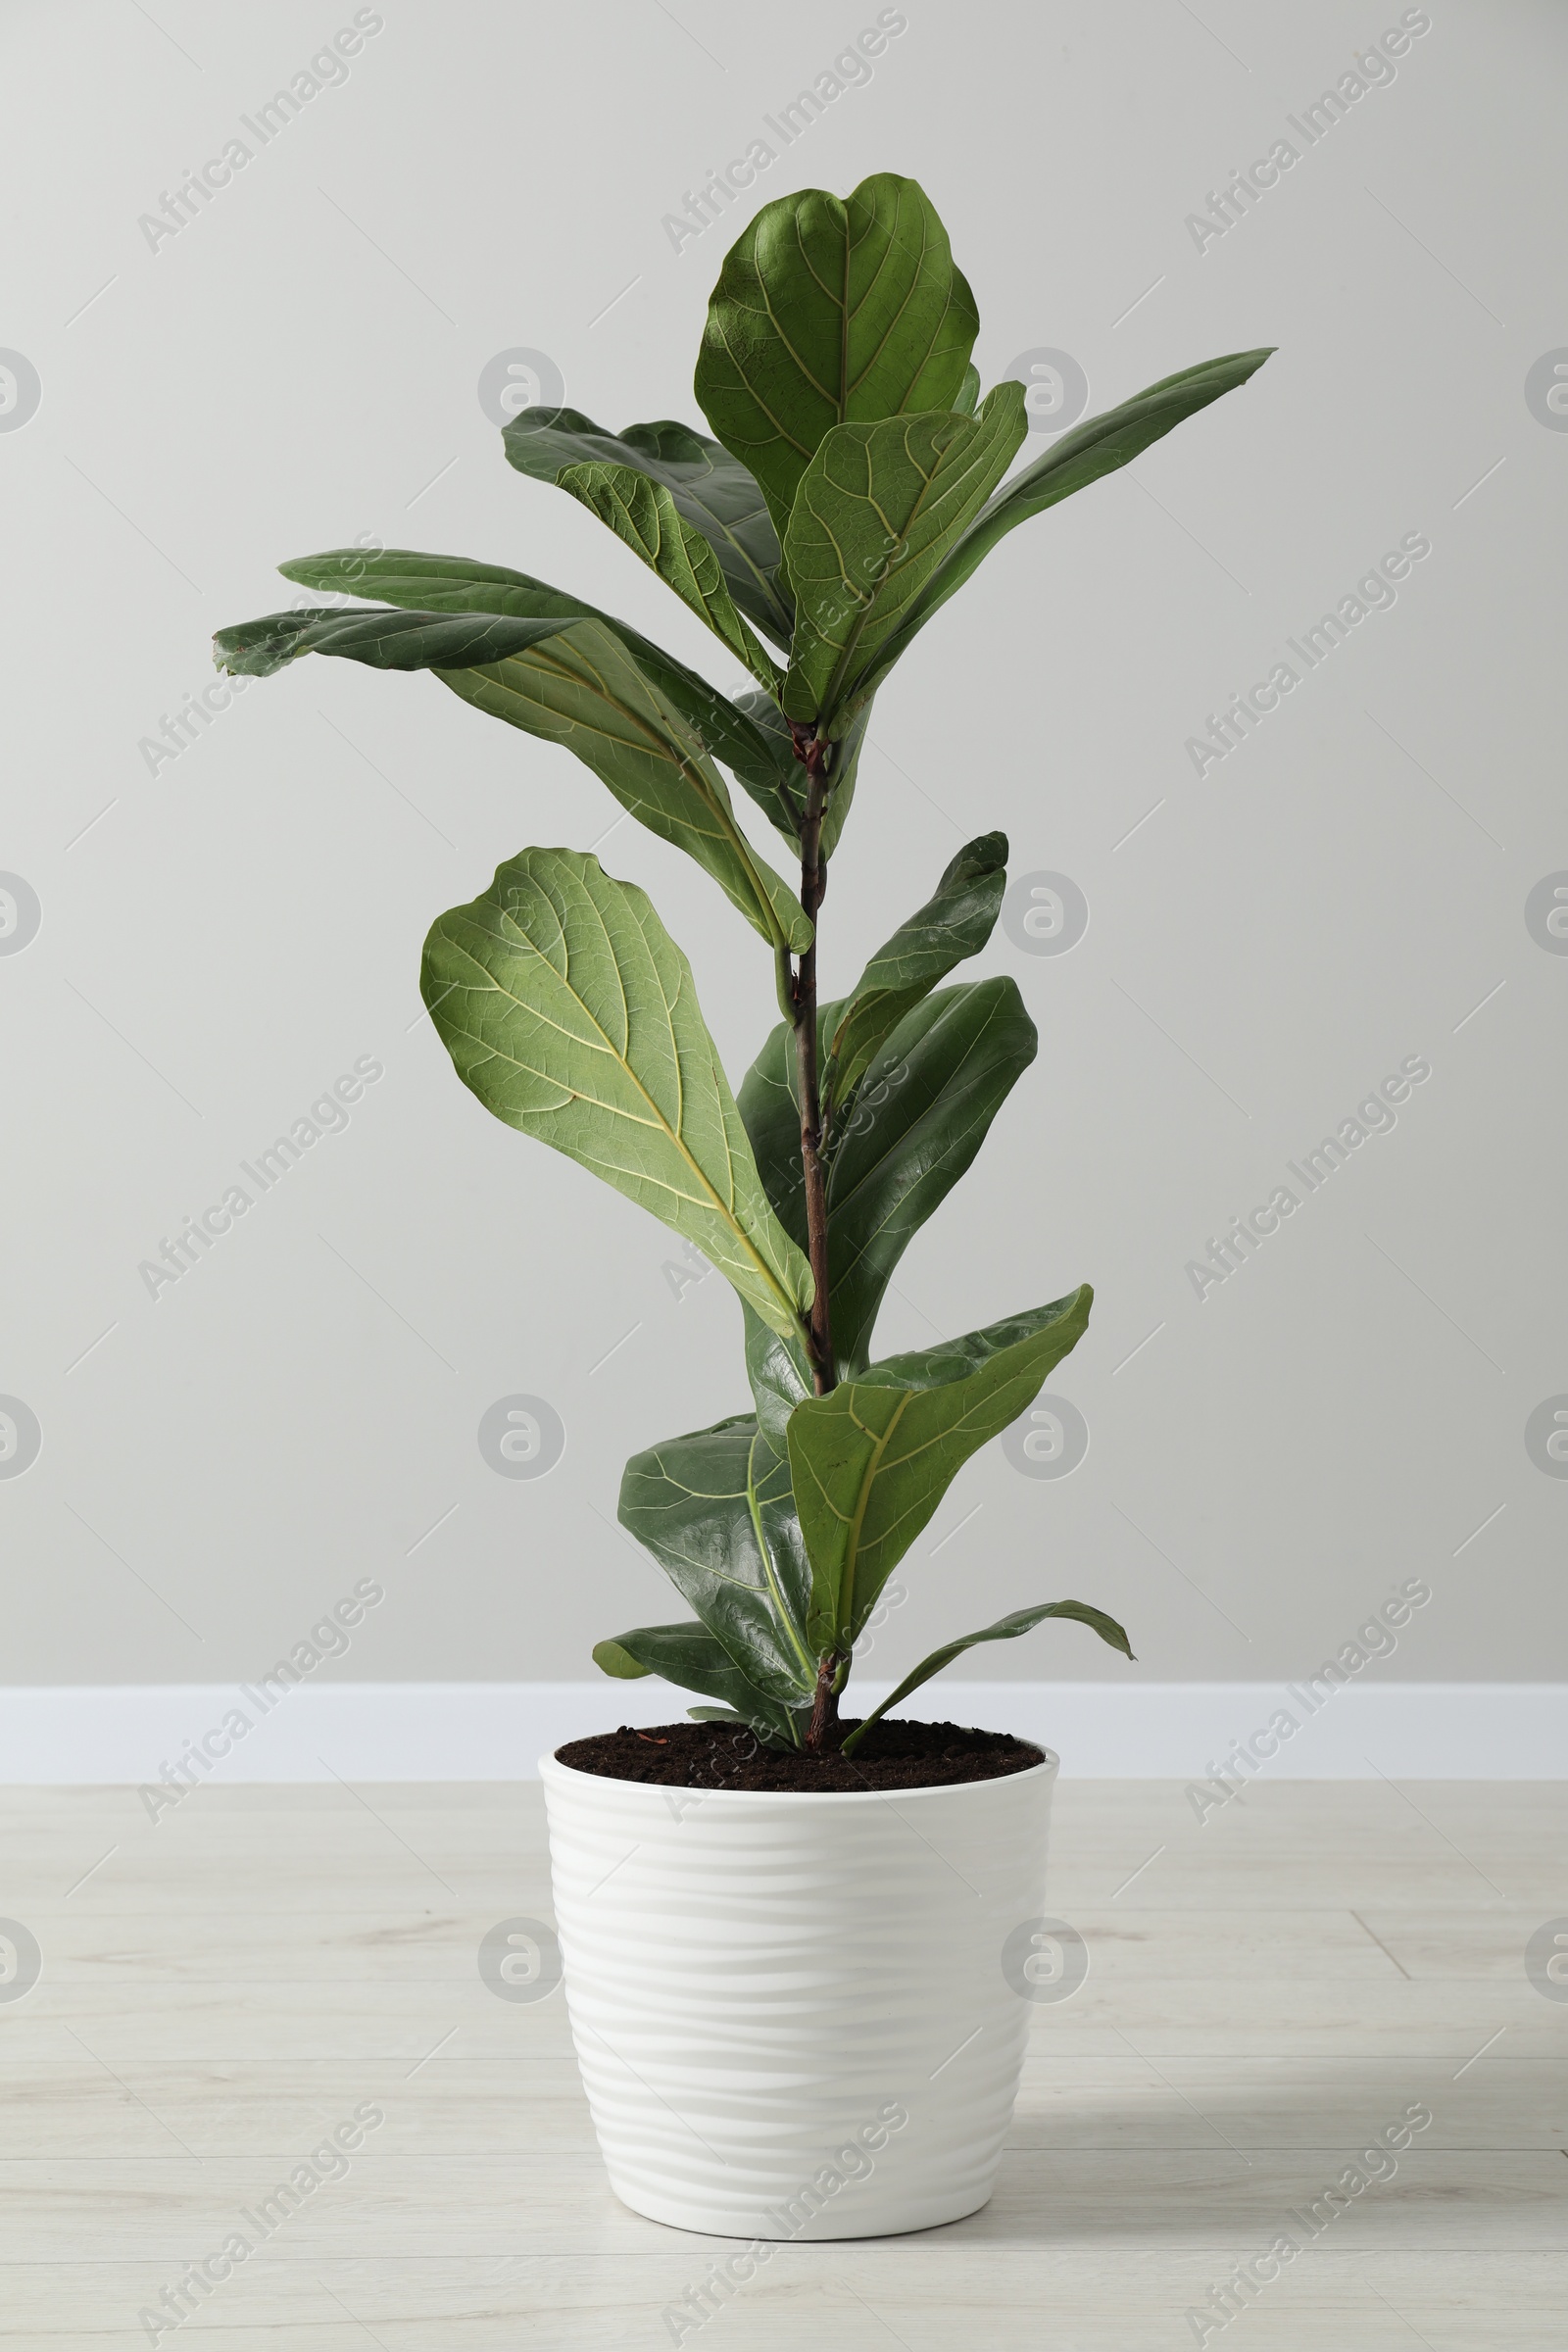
(853, 479)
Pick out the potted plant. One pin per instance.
(796, 1943)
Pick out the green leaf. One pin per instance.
(690, 1657)
(877, 510)
(830, 312)
(716, 1511)
(383, 640)
(642, 514)
(712, 491)
(872, 1460)
(761, 713)
(916, 1121)
(761, 757)
(610, 1658)
(955, 921)
(780, 1377)
(1005, 1628)
(1093, 449)
(569, 1009)
(571, 682)
(583, 689)
(968, 398)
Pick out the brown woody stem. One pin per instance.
(813, 753)
(823, 1731)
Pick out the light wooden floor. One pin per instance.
(221, 1988)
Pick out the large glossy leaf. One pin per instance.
(761, 757)
(716, 1511)
(690, 1657)
(1080, 457)
(919, 1116)
(569, 1009)
(955, 921)
(712, 491)
(571, 682)
(1005, 1628)
(830, 312)
(877, 510)
(644, 516)
(873, 1460)
(780, 1376)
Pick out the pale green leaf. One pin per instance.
(569, 1009)
(877, 510)
(873, 1460)
(712, 491)
(644, 516)
(716, 1511)
(582, 689)
(571, 682)
(761, 757)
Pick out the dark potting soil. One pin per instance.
(723, 1755)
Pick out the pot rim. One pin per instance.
(551, 1768)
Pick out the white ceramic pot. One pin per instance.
(798, 2016)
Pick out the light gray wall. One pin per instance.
(220, 939)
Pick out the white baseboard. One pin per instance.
(498, 1730)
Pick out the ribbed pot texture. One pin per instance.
(791, 2011)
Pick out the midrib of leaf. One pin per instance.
(919, 261)
(656, 1119)
(851, 1554)
(844, 330)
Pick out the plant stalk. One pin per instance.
(822, 1730)
(812, 753)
